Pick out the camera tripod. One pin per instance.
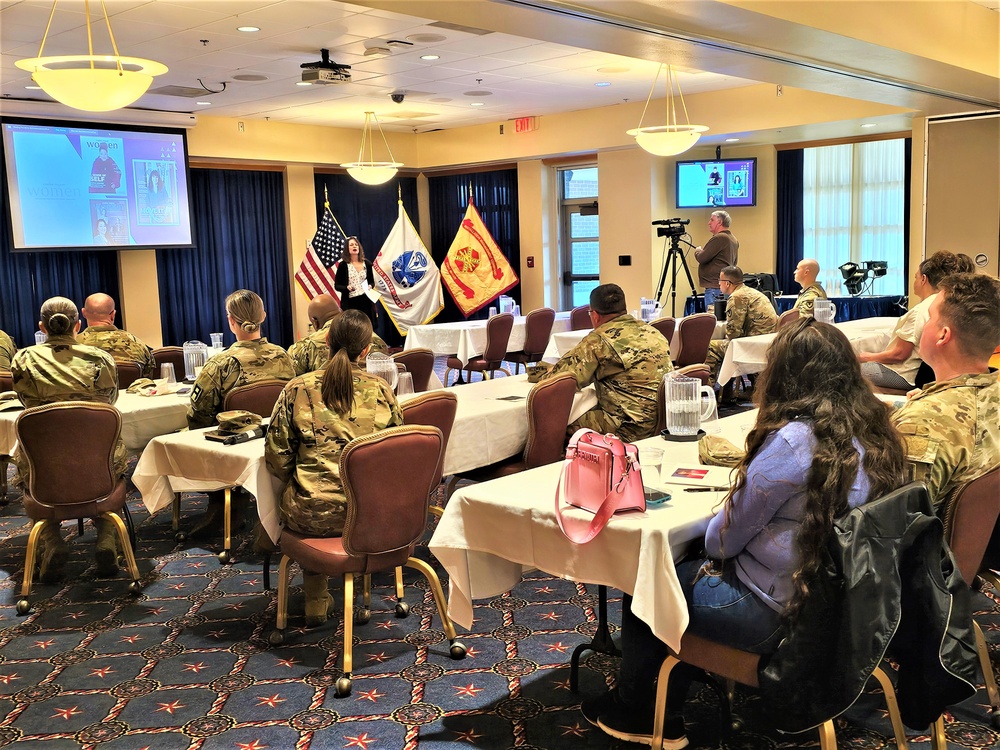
(675, 257)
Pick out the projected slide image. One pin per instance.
(110, 219)
(155, 183)
(737, 187)
(105, 174)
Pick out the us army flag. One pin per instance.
(406, 277)
(474, 270)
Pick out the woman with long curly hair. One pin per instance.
(822, 444)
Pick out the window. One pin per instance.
(579, 235)
(853, 197)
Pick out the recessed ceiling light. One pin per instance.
(613, 69)
(731, 140)
(477, 104)
(248, 29)
(868, 124)
(430, 57)
(602, 84)
(204, 104)
(303, 83)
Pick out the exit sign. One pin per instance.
(525, 124)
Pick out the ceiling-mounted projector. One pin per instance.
(325, 70)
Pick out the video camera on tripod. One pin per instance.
(671, 227)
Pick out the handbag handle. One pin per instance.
(607, 508)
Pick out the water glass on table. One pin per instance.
(404, 383)
(651, 462)
(167, 372)
(493, 311)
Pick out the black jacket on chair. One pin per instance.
(889, 586)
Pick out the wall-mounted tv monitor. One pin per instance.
(717, 184)
(74, 185)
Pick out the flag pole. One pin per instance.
(399, 193)
(326, 197)
(470, 191)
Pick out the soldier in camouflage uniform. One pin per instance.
(312, 352)
(805, 275)
(99, 311)
(62, 369)
(952, 426)
(308, 433)
(7, 350)
(248, 360)
(748, 313)
(625, 359)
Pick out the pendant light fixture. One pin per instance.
(674, 137)
(372, 172)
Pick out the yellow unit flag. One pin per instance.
(474, 271)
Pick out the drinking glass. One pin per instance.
(493, 311)
(40, 337)
(651, 462)
(167, 372)
(404, 383)
(216, 340)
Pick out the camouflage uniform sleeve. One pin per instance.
(7, 351)
(106, 383)
(299, 354)
(581, 361)
(389, 412)
(378, 345)
(806, 301)
(209, 390)
(280, 443)
(146, 360)
(736, 313)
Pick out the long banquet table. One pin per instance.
(491, 533)
(467, 339)
(749, 354)
(491, 424)
(560, 343)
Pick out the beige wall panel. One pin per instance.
(300, 226)
(139, 307)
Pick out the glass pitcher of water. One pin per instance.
(195, 354)
(384, 366)
(684, 404)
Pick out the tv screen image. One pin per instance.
(717, 184)
(73, 186)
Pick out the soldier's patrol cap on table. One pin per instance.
(236, 421)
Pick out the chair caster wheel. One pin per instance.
(457, 651)
(362, 615)
(402, 609)
(276, 638)
(736, 725)
(343, 688)
(994, 714)
(134, 588)
(180, 537)
(224, 557)
(23, 607)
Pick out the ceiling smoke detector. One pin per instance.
(384, 46)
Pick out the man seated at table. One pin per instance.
(625, 359)
(805, 276)
(7, 350)
(313, 352)
(748, 313)
(101, 332)
(952, 426)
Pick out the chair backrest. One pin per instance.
(694, 332)
(700, 370)
(579, 318)
(258, 397)
(6, 381)
(128, 373)
(537, 329)
(665, 326)
(172, 354)
(387, 507)
(786, 318)
(420, 364)
(437, 409)
(497, 336)
(69, 447)
(549, 405)
(970, 515)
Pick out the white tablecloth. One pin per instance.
(467, 339)
(749, 354)
(560, 343)
(494, 531)
(143, 418)
(486, 430)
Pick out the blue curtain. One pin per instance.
(789, 206)
(28, 279)
(369, 212)
(495, 196)
(240, 243)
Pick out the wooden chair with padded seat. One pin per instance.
(420, 364)
(579, 318)
(386, 517)
(537, 330)
(665, 326)
(970, 514)
(69, 448)
(694, 332)
(498, 330)
(6, 384)
(786, 318)
(172, 354)
(128, 373)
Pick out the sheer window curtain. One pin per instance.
(853, 197)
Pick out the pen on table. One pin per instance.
(706, 489)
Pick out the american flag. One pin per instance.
(318, 268)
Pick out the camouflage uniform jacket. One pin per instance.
(121, 345)
(242, 363)
(7, 350)
(807, 297)
(749, 313)
(313, 352)
(304, 443)
(626, 360)
(952, 432)
(62, 369)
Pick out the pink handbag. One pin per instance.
(601, 474)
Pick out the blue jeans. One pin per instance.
(710, 296)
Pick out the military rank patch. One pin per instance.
(196, 393)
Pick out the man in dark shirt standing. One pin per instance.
(719, 252)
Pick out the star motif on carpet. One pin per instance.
(101, 671)
(558, 647)
(255, 745)
(271, 701)
(576, 730)
(170, 707)
(217, 633)
(43, 644)
(380, 657)
(370, 695)
(236, 606)
(468, 736)
(6, 678)
(66, 713)
(385, 624)
(130, 638)
(287, 662)
(551, 616)
(544, 590)
(471, 652)
(177, 586)
(362, 741)
(251, 582)
(563, 684)
(196, 565)
(74, 615)
(196, 668)
(157, 610)
(466, 691)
